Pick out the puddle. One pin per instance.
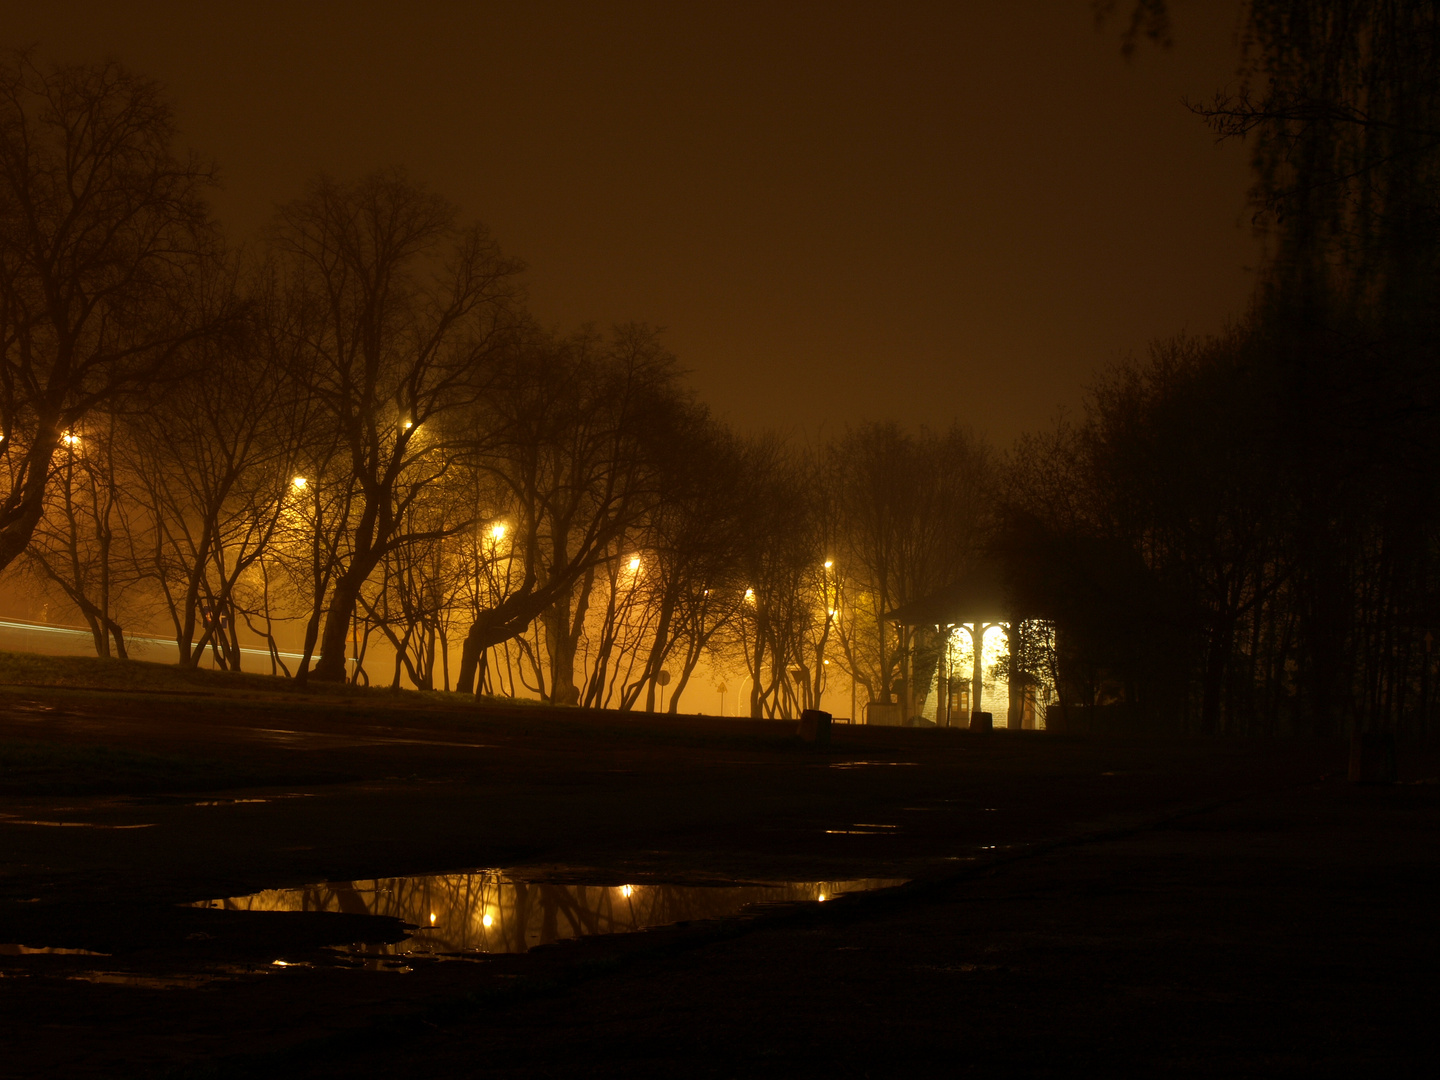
(151, 981)
(494, 911)
(26, 950)
(190, 800)
(866, 764)
(6, 819)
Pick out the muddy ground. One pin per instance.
(1075, 905)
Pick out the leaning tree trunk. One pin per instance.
(19, 519)
(336, 636)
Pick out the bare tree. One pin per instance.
(214, 461)
(911, 512)
(103, 237)
(416, 597)
(782, 551)
(691, 563)
(406, 315)
(81, 544)
(572, 440)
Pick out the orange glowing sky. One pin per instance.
(838, 210)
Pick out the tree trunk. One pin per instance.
(18, 523)
(562, 634)
(658, 650)
(336, 637)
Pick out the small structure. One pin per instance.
(814, 726)
(884, 714)
(977, 601)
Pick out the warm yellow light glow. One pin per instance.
(497, 531)
(408, 424)
(750, 595)
(299, 483)
(70, 438)
(822, 898)
(635, 564)
(278, 963)
(832, 613)
(432, 918)
(827, 663)
(829, 563)
(995, 689)
(626, 890)
(487, 921)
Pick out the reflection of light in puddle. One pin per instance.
(493, 911)
(6, 819)
(147, 981)
(865, 764)
(26, 950)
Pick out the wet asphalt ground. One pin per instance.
(1075, 905)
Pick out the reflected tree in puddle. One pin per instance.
(493, 912)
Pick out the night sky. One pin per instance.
(839, 211)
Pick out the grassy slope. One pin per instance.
(32, 670)
(94, 673)
(31, 766)
(38, 766)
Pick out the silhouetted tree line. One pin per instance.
(357, 429)
(1240, 533)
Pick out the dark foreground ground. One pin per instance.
(1075, 907)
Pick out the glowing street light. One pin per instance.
(829, 563)
(635, 565)
(497, 531)
(299, 483)
(69, 438)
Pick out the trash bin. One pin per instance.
(814, 726)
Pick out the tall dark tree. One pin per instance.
(574, 439)
(407, 314)
(213, 462)
(87, 531)
(104, 237)
(912, 513)
(1339, 102)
